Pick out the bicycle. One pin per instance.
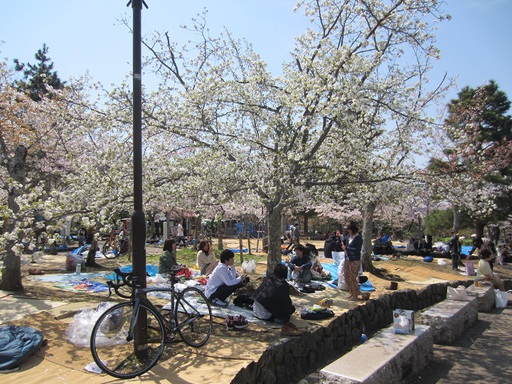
(114, 337)
(116, 245)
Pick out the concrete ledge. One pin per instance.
(449, 319)
(385, 358)
(484, 296)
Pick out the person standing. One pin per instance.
(352, 247)
(295, 233)
(332, 247)
(180, 234)
(454, 248)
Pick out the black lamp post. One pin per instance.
(138, 219)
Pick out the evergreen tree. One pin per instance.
(37, 76)
(477, 164)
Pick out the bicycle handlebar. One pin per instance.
(129, 279)
(122, 279)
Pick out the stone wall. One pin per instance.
(290, 359)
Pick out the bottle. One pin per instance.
(78, 268)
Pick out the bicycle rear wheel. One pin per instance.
(116, 355)
(193, 317)
(111, 249)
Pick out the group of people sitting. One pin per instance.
(271, 301)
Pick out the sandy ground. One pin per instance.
(219, 360)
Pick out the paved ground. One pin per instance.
(481, 355)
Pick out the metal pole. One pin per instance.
(138, 219)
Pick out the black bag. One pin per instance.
(323, 313)
(244, 300)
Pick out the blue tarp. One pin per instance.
(333, 270)
(151, 269)
(237, 250)
(466, 249)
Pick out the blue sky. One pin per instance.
(85, 35)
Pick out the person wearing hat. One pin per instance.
(455, 248)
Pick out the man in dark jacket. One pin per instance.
(455, 249)
(272, 301)
(333, 244)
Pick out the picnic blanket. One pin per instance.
(78, 283)
(333, 270)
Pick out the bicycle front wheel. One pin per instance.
(114, 348)
(193, 317)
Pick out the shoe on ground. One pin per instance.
(240, 322)
(230, 322)
(219, 303)
(290, 329)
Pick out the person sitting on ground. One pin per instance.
(168, 258)
(300, 265)
(272, 301)
(484, 271)
(206, 260)
(224, 280)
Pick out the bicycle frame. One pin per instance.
(139, 297)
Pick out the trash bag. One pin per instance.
(501, 298)
(249, 266)
(458, 293)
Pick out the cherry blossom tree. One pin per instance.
(278, 134)
(34, 154)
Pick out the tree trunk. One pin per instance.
(11, 272)
(421, 234)
(274, 236)
(220, 233)
(366, 252)
(241, 246)
(90, 261)
(456, 218)
(479, 229)
(305, 228)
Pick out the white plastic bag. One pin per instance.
(458, 293)
(403, 321)
(501, 298)
(80, 329)
(249, 266)
(441, 262)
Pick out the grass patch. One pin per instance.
(188, 257)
